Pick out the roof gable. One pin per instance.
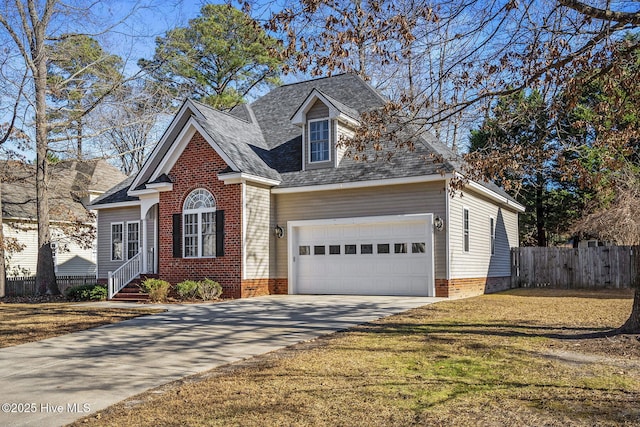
(230, 136)
(274, 110)
(337, 110)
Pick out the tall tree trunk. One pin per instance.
(3, 273)
(632, 325)
(45, 273)
(79, 138)
(360, 41)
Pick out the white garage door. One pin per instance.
(363, 256)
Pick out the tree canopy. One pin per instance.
(80, 73)
(218, 58)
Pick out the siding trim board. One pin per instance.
(448, 227)
(118, 205)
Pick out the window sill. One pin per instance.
(320, 162)
(200, 257)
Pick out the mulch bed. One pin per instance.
(32, 299)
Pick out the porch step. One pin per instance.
(131, 293)
(130, 296)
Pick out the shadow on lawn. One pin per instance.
(496, 329)
(549, 292)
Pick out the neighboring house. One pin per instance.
(72, 186)
(264, 200)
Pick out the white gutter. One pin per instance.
(362, 184)
(239, 177)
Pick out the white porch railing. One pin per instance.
(125, 274)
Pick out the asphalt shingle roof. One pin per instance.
(71, 181)
(261, 140)
(240, 140)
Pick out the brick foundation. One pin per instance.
(462, 288)
(259, 287)
(279, 287)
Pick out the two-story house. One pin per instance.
(264, 200)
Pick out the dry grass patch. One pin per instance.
(23, 323)
(502, 359)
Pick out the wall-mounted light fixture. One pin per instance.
(438, 223)
(278, 231)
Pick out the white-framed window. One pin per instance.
(199, 219)
(319, 146)
(117, 241)
(125, 240)
(133, 239)
(492, 231)
(465, 229)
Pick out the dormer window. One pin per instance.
(319, 141)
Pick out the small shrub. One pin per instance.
(86, 293)
(208, 290)
(156, 288)
(187, 289)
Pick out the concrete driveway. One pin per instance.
(58, 380)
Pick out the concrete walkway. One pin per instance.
(58, 380)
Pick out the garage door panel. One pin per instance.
(391, 267)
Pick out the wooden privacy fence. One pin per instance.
(24, 286)
(598, 267)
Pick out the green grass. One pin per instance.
(513, 358)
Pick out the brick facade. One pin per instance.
(198, 167)
(462, 288)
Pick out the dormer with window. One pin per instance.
(323, 121)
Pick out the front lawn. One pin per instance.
(524, 357)
(23, 323)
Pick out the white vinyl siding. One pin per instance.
(259, 232)
(364, 202)
(342, 132)
(479, 262)
(71, 258)
(318, 111)
(105, 218)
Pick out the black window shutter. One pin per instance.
(219, 233)
(177, 235)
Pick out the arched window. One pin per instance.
(199, 231)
